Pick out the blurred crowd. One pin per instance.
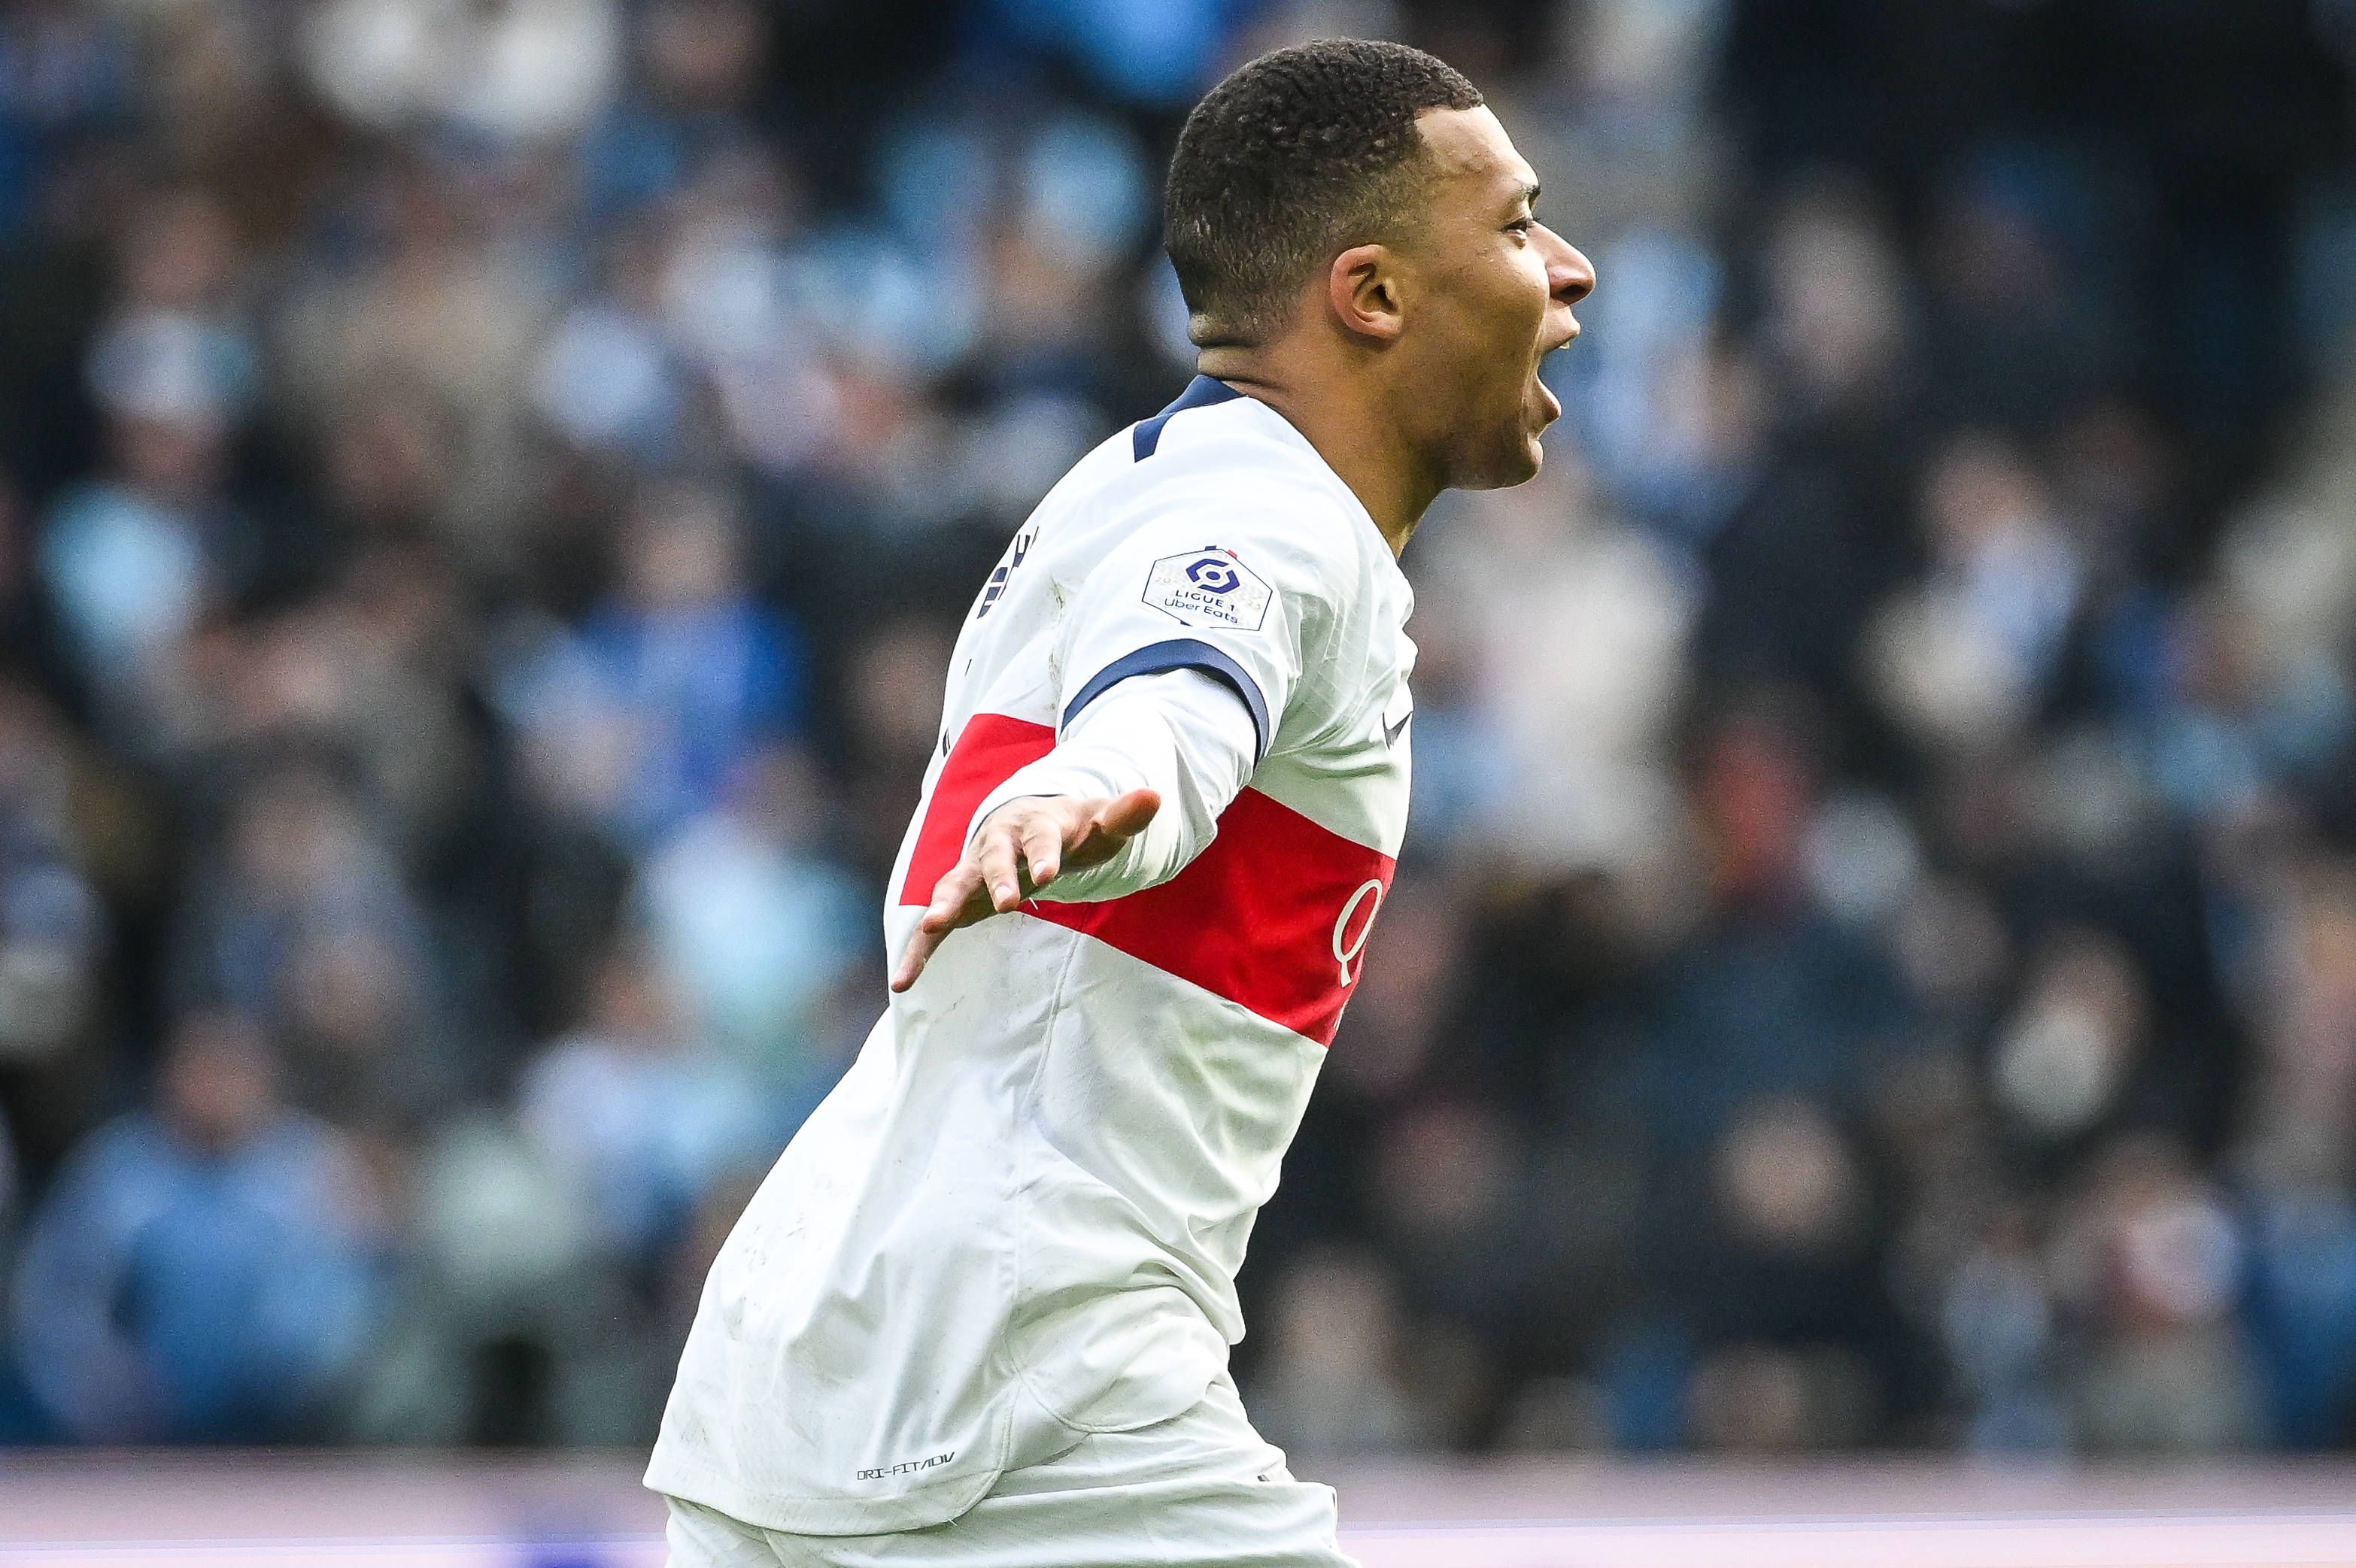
(487, 491)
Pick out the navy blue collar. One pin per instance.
(1200, 393)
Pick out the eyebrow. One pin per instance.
(1530, 194)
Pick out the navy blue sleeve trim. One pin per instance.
(1179, 653)
(1200, 393)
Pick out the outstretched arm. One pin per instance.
(1131, 794)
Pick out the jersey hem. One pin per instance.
(920, 1506)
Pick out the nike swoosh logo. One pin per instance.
(1391, 731)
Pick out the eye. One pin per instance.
(1520, 225)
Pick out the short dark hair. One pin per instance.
(1297, 155)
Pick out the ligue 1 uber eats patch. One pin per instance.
(1209, 587)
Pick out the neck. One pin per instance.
(1347, 418)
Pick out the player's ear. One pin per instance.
(1361, 287)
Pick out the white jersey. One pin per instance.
(1020, 1215)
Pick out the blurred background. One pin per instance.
(487, 490)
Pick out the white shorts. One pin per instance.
(1202, 1490)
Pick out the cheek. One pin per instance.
(1514, 308)
(1535, 295)
(1497, 309)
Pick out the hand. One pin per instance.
(1021, 848)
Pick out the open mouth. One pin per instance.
(1551, 404)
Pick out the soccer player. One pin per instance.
(979, 1313)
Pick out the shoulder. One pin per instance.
(122, 1169)
(1236, 479)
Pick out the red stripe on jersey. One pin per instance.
(1274, 916)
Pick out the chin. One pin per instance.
(1502, 477)
(1522, 464)
(1506, 454)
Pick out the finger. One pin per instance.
(999, 871)
(913, 957)
(1127, 815)
(1113, 824)
(1042, 850)
(953, 895)
(957, 901)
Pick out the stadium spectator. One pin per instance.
(201, 1270)
(642, 1118)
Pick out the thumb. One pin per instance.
(1126, 815)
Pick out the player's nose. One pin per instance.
(1570, 276)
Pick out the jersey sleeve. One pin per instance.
(1241, 599)
(1176, 732)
